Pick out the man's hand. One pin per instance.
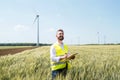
(64, 57)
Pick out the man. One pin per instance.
(58, 53)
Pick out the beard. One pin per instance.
(61, 38)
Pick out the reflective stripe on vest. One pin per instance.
(57, 63)
(59, 52)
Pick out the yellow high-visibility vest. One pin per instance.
(60, 52)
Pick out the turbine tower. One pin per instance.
(98, 38)
(37, 18)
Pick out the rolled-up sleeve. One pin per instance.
(53, 55)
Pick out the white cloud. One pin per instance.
(21, 28)
(51, 30)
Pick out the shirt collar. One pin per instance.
(59, 44)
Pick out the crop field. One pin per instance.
(11, 47)
(94, 62)
(5, 50)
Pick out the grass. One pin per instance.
(92, 63)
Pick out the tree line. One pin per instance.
(23, 44)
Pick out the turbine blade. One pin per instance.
(35, 18)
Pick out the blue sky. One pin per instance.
(80, 19)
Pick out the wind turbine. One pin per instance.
(37, 18)
(98, 37)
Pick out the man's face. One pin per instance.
(60, 35)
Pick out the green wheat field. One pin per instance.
(94, 62)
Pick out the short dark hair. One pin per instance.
(60, 30)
